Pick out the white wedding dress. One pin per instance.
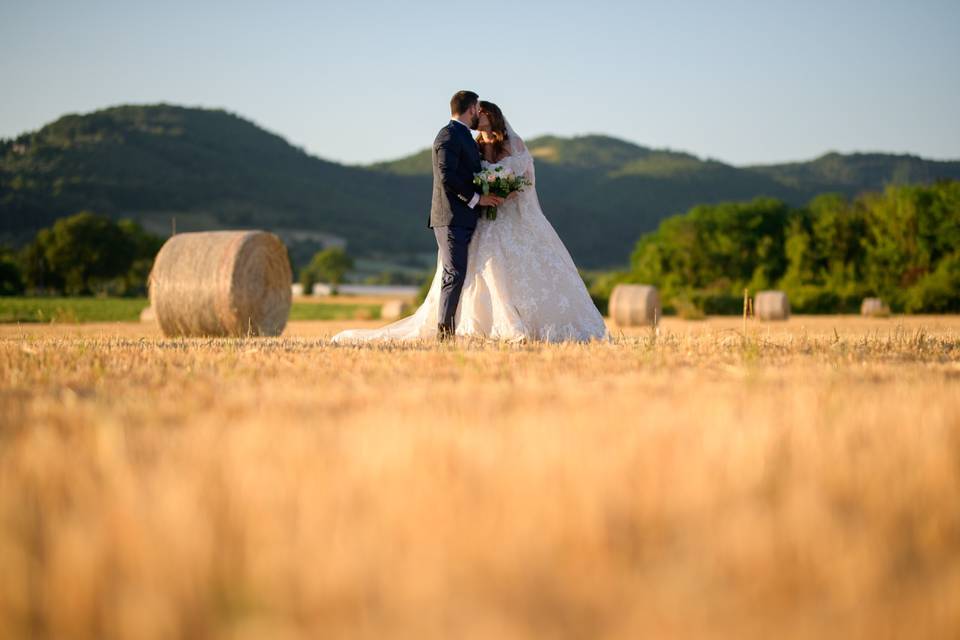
(521, 282)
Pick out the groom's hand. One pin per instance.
(490, 201)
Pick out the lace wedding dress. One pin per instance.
(521, 281)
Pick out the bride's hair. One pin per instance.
(498, 125)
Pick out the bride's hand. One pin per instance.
(513, 194)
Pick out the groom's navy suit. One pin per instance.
(455, 160)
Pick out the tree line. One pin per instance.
(902, 245)
(83, 254)
(91, 254)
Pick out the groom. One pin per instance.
(456, 202)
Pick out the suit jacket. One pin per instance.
(455, 160)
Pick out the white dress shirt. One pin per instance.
(476, 196)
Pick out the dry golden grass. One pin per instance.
(803, 482)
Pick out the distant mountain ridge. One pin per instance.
(872, 171)
(601, 191)
(207, 168)
(620, 158)
(214, 169)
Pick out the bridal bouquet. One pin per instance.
(500, 182)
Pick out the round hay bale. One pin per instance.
(772, 305)
(634, 305)
(394, 310)
(147, 315)
(874, 308)
(221, 283)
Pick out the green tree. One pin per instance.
(11, 279)
(89, 253)
(329, 265)
(900, 244)
(824, 251)
(712, 252)
(308, 278)
(146, 246)
(837, 229)
(938, 291)
(910, 230)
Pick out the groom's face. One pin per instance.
(474, 113)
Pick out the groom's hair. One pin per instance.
(461, 101)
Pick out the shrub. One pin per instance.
(937, 292)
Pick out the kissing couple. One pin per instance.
(507, 278)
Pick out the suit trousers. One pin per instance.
(453, 243)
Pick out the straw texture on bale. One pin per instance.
(772, 305)
(221, 283)
(874, 307)
(634, 305)
(394, 310)
(147, 315)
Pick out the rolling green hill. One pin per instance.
(209, 168)
(601, 193)
(213, 169)
(859, 172)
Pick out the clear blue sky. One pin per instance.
(355, 81)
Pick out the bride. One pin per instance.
(521, 282)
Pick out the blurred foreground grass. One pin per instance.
(800, 481)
